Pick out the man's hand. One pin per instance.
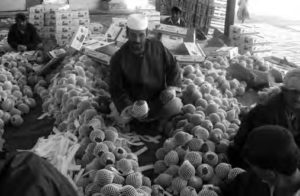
(21, 48)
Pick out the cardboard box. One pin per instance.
(95, 28)
(113, 32)
(100, 57)
(36, 16)
(64, 29)
(62, 36)
(122, 22)
(188, 59)
(50, 29)
(49, 35)
(51, 8)
(63, 22)
(62, 42)
(242, 29)
(172, 42)
(194, 49)
(172, 30)
(84, 14)
(50, 16)
(37, 23)
(122, 37)
(50, 22)
(230, 52)
(79, 37)
(251, 40)
(38, 9)
(63, 15)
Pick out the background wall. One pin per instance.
(12, 5)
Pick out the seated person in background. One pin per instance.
(175, 18)
(282, 109)
(273, 157)
(23, 36)
(141, 70)
(26, 174)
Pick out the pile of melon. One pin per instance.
(192, 161)
(16, 95)
(71, 98)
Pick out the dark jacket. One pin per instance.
(245, 184)
(27, 174)
(273, 112)
(142, 77)
(30, 38)
(168, 21)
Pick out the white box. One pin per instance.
(251, 40)
(242, 29)
(172, 42)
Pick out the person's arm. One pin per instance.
(34, 39)
(118, 93)
(11, 39)
(173, 71)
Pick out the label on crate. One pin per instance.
(79, 37)
(242, 29)
(93, 44)
(251, 40)
(50, 22)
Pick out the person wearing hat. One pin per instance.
(175, 18)
(23, 36)
(140, 70)
(273, 157)
(281, 109)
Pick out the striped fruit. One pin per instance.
(163, 180)
(194, 158)
(222, 170)
(205, 171)
(135, 179)
(171, 158)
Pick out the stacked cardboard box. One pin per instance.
(57, 21)
(247, 39)
(36, 17)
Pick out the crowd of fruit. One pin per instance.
(192, 161)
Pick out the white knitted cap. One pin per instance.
(137, 22)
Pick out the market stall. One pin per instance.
(64, 101)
